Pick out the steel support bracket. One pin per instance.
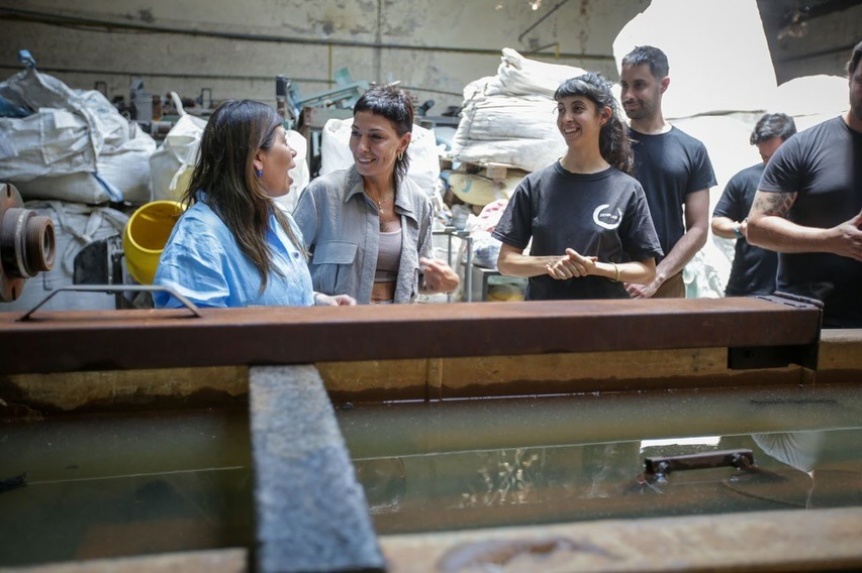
(805, 355)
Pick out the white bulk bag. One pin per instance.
(509, 118)
(75, 147)
(518, 75)
(299, 174)
(424, 167)
(128, 167)
(172, 164)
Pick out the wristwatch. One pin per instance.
(736, 231)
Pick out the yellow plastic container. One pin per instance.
(146, 235)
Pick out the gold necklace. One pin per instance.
(381, 211)
(383, 200)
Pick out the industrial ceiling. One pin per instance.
(811, 36)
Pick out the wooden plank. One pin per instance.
(778, 541)
(432, 379)
(231, 560)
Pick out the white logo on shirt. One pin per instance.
(607, 219)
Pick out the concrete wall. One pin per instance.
(237, 48)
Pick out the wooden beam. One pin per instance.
(133, 339)
(777, 541)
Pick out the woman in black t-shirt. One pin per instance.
(588, 220)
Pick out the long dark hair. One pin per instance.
(393, 104)
(225, 172)
(614, 142)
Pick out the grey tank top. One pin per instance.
(388, 257)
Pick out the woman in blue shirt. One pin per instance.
(234, 246)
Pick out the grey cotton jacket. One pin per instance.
(341, 229)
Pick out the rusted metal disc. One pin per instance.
(10, 286)
(26, 243)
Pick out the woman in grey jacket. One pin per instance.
(368, 228)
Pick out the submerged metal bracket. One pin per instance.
(805, 355)
(659, 467)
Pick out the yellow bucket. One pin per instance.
(145, 236)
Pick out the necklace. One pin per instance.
(382, 213)
(381, 203)
(380, 217)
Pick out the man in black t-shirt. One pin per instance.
(807, 207)
(753, 270)
(673, 168)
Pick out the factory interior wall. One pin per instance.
(237, 48)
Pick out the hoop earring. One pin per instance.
(400, 155)
(258, 173)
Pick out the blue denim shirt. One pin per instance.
(203, 262)
(341, 227)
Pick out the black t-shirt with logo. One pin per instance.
(601, 214)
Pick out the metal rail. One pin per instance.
(70, 341)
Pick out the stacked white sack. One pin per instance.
(509, 118)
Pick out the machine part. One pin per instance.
(659, 467)
(141, 101)
(101, 263)
(101, 87)
(282, 91)
(26, 243)
(205, 100)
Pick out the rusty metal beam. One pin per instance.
(131, 339)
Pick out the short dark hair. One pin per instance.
(773, 125)
(394, 104)
(657, 60)
(854, 59)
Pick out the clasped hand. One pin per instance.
(571, 265)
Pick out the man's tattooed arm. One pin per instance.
(777, 204)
